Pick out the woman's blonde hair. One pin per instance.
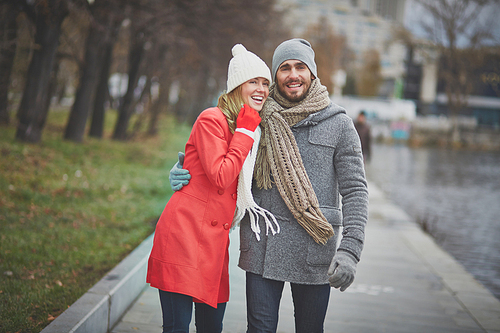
(230, 105)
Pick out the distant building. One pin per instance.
(366, 24)
(422, 84)
(421, 77)
(483, 102)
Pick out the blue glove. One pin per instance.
(178, 176)
(342, 270)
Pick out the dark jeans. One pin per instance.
(263, 301)
(177, 310)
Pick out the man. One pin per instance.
(309, 153)
(363, 130)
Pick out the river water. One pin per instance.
(455, 194)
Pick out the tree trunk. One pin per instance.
(102, 91)
(51, 89)
(84, 98)
(145, 99)
(125, 111)
(101, 94)
(32, 112)
(8, 34)
(188, 108)
(158, 105)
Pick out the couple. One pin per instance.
(308, 155)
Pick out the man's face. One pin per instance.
(293, 80)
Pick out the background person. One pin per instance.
(364, 133)
(189, 259)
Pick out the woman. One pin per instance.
(189, 259)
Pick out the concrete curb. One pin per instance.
(468, 292)
(100, 308)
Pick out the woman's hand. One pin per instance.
(248, 118)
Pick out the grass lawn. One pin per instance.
(69, 212)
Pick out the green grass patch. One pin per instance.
(69, 212)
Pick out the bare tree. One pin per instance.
(48, 16)
(196, 38)
(188, 42)
(255, 24)
(103, 20)
(459, 29)
(102, 88)
(330, 50)
(369, 77)
(8, 43)
(139, 38)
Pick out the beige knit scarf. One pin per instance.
(278, 154)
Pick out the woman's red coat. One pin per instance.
(190, 250)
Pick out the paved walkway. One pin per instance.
(404, 283)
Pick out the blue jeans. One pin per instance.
(177, 310)
(263, 302)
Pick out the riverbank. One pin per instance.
(437, 132)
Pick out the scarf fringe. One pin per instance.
(254, 213)
(245, 202)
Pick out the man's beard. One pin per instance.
(294, 98)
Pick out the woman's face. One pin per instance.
(255, 92)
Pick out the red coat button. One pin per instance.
(234, 196)
(214, 223)
(226, 226)
(221, 192)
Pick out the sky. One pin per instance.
(415, 14)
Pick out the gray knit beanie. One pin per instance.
(296, 48)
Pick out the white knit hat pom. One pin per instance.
(238, 49)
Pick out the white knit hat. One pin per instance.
(244, 66)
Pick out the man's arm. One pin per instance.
(353, 188)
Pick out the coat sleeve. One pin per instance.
(221, 158)
(349, 164)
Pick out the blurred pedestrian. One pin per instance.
(189, 259)
(364, 133)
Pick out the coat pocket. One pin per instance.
(333, 215)
(321, 255)
(185, 219)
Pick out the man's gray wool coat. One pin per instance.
(331, 153)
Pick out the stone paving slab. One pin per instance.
(404, 283)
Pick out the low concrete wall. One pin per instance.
(431, 131)
(98, 310)
(476, 139)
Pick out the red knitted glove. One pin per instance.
(248, 118)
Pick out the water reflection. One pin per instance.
(456, 194)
